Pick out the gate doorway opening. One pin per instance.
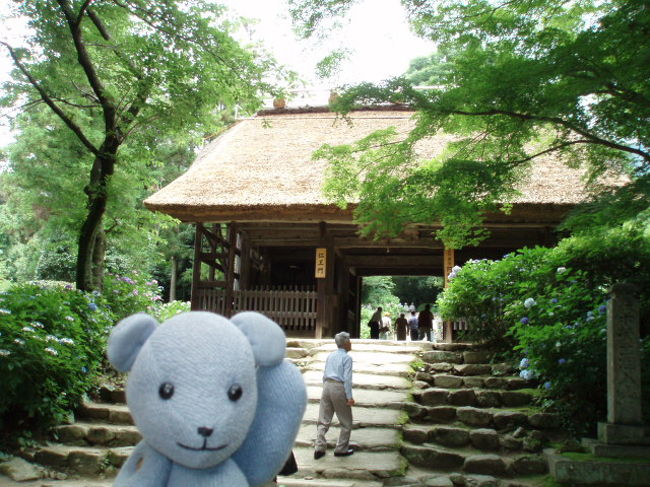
(396, 295)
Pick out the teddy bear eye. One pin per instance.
(166, 390)
(235, 392)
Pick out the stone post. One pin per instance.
(624, 420)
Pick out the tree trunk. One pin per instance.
(98, 256)
(172, 283)
(97, 191)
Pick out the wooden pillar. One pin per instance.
(326, 304)
(196, 271)
(341, 292)
(449, 262)
(230, 269)
(245, 269)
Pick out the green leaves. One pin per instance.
(513, 81)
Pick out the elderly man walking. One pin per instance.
(336, 398)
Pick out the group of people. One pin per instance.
(418, 326)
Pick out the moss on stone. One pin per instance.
(590, 457)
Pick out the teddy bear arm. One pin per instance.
(282, 399)
(145, 467)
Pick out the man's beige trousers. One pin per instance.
(332, 401)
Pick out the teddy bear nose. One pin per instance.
(203, 431)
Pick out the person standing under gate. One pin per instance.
(385, 328)
(413, 326)
(400, 327)
(425, 323)
(336, 398)
(375, 323)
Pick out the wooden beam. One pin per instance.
(211, 284)
(392, 261)
(449, 263)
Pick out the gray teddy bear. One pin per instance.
(215, 401)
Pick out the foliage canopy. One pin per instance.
(513, 81)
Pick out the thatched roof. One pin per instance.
(262, 169)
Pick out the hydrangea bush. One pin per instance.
(546, 308)
(52, 344)
(53, 341)
(130, 294)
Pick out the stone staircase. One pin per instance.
(382, 381)
(473, 422)
(457, 421)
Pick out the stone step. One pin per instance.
(365, 439)
(363, 343)
(112, 394)
(362, 465)
(463, 369)
(97, 434)
(82, 460)
(450, 380)
(374, 358)
(310, 482)
(362, 381)
(499, 419)
(388, 369)
(390, 398)
(110, 413)
(373, 346)
(436, 396)
(297, 353)
(485, 439)
(472, 461)
(362, 417)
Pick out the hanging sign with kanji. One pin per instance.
(449, 263)
(321, 263)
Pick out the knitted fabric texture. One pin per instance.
(213, 398)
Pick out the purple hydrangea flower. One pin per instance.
(524, 363)
(561, 361)
(602, 309)
(555, 300)
(524, 320)
(547, 385)
(92, 306)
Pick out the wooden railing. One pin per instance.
(293, 308)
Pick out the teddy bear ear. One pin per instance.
(265, 336)
(127, 338)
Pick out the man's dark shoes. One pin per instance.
(319, 454)
(346, 453)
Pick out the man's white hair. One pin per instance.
(341, 339)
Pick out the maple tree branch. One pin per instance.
(47, 99)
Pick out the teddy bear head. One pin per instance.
(192, 388)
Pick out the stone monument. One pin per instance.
(623, 436)
(624, 424)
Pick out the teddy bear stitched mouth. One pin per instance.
(205, 447)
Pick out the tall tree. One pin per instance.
(42, 204)
(518, 80)
(113, 69)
